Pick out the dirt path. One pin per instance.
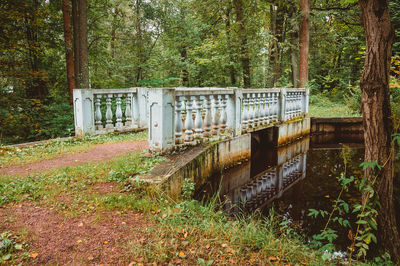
(101, 152)
(94, 239)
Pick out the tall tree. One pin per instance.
(69, 53)
(244, 47)
(75, 21)
(304, 42)
(83, 45)
(375, 105)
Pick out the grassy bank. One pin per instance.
(186, 232)
(50, 149)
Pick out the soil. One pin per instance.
(54, 239)
(101, 152)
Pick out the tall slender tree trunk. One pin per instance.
(139, 41)
(273, 48)
(231, 67)
(75, 24)
(83, 45)
(185, 73)
(244, 49)
(304, 42)
(294, 51)
(69, 53)
(375, 105)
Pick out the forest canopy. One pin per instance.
(174, 43)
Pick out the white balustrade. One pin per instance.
(104, 111)
(210, 113)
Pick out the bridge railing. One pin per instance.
(104, 111)
(185, 116)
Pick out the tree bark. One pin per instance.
(375, 105)
(304, 42)
(244, 49)
(231, 67)
(75, 24)
(69, 53)
(83, 45)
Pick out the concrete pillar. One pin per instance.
(282, 105)
(83, 112)
(306, 101)
(142, 108)
(234, 112)
(161, 111)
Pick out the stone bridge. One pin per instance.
(177, 117)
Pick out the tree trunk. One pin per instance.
(304, 42)
(185, 73)
(231, 67)
(273, 48)
(244, 49)
(375, 105)
(75, 24)
(69, 53)
(294, 51)
(83, 45)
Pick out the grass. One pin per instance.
(53, 148)
(179, 232)
(321, 105)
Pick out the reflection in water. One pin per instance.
(292, 179)
(254, 184)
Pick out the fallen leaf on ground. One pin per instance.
(34, 255)
(207, 246)
(181, 254)
(272, 258)
(163, 216)
(224, 245)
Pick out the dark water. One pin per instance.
(294, 179)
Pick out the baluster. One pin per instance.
(118, 112)
(208, 117)
(189, 119)
(224, 115)
(199, 119)
(257, 111)
(98, 117)
(299, 103)
(293, 104)
(251, 111)
(274, 107)
(268, 108)
(245, 112)
(215, 123)
(178, 120)
(109, 114)
(128, 110)
(264, 108)
(276, 104)
(288, 106)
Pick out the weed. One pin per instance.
(9, 246)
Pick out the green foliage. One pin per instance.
(8, 247)
(24, 120)
(188, 189)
